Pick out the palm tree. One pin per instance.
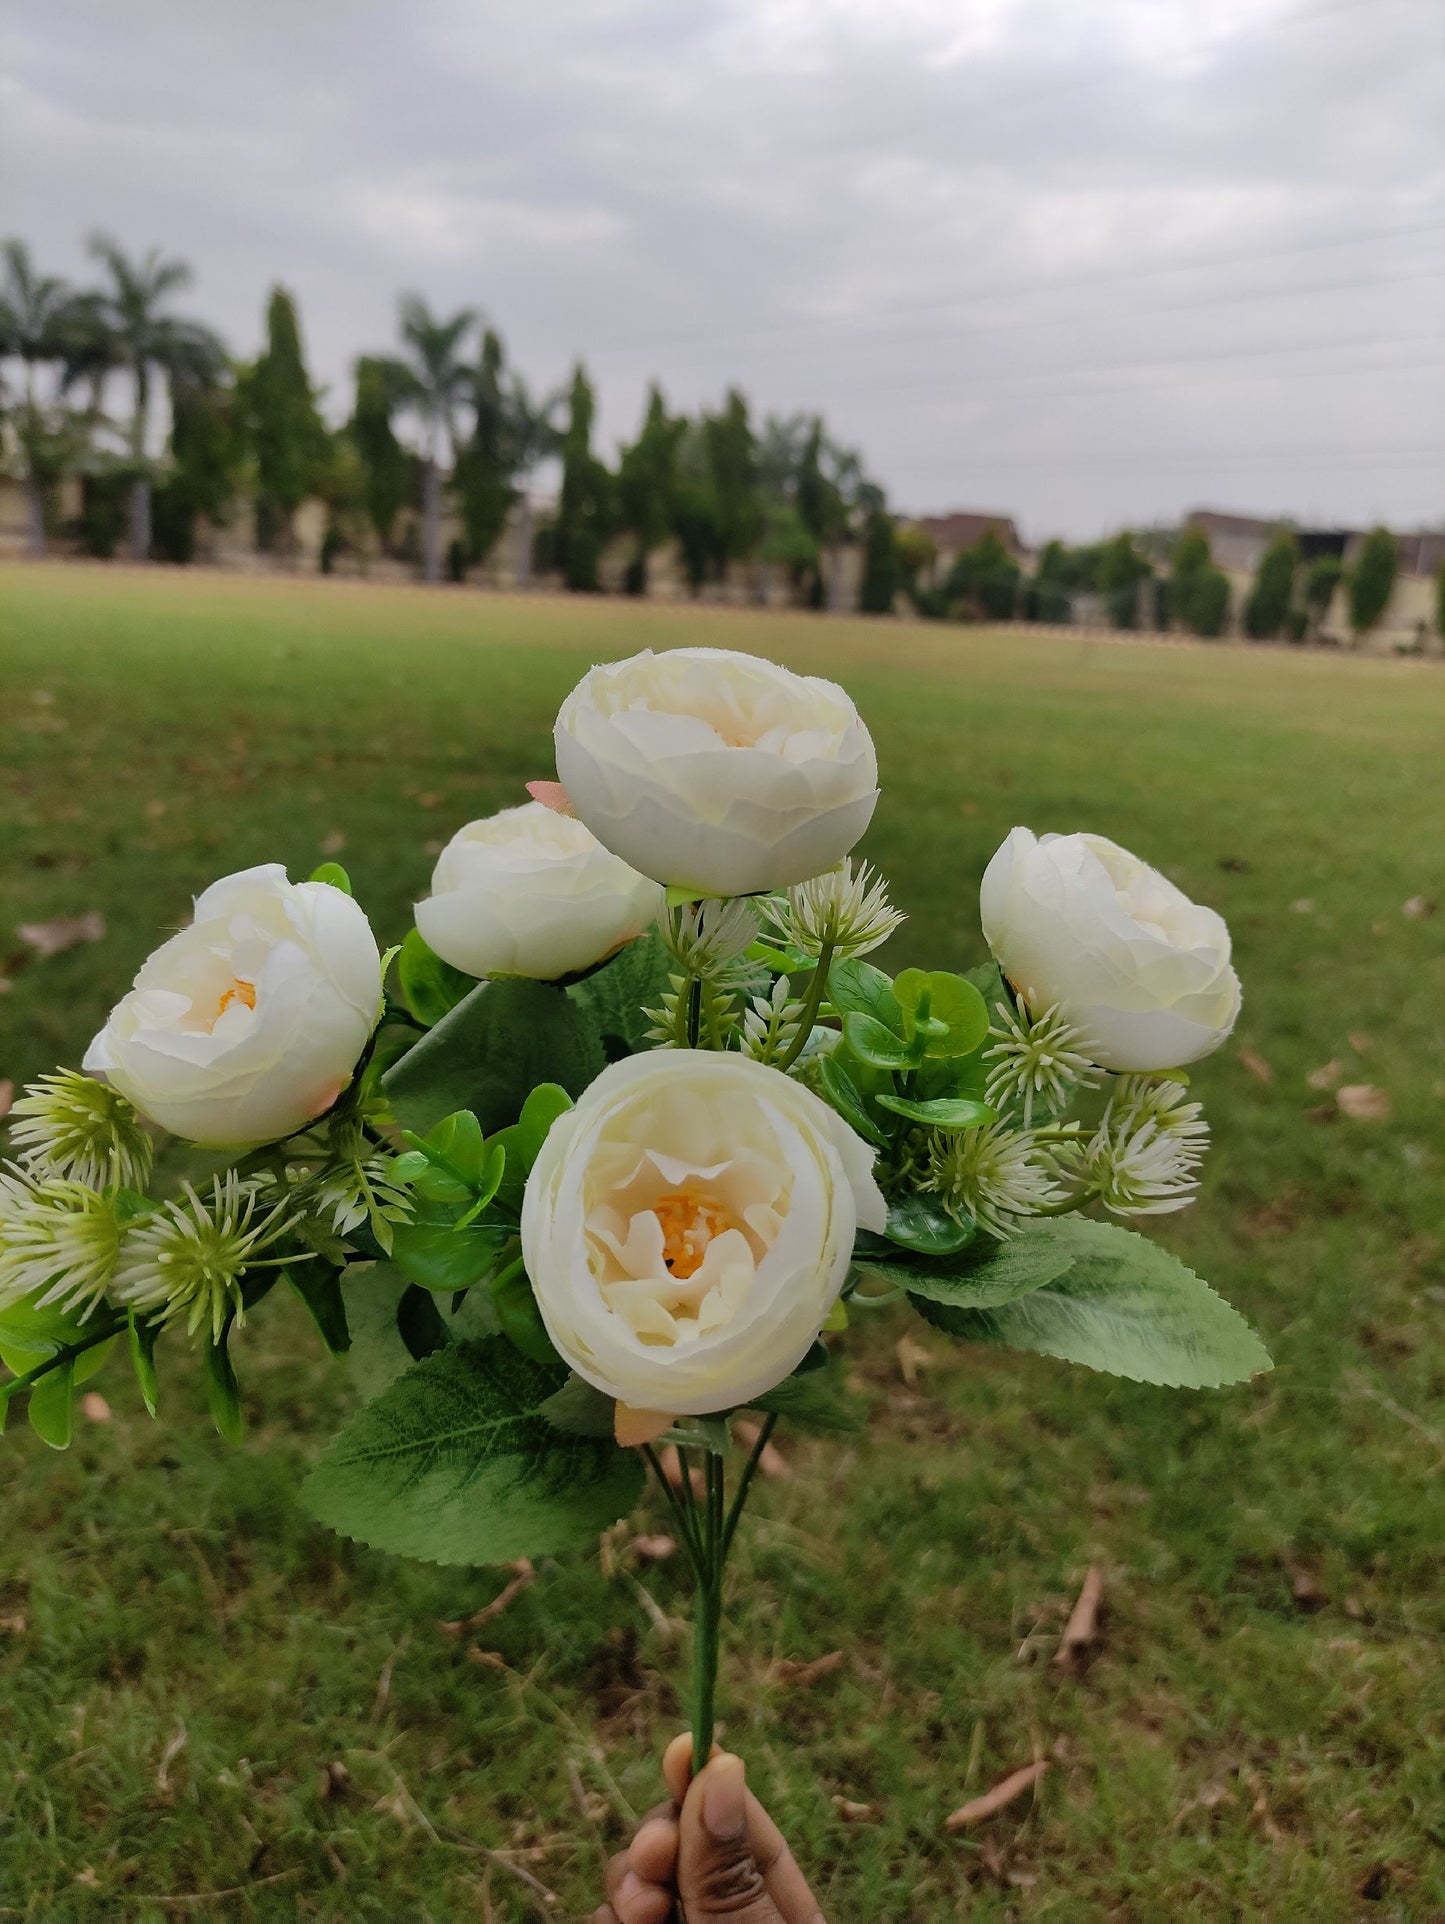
(147, 341)
(38, 316)
(534, 434)
(431, 383)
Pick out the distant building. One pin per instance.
(961, 529)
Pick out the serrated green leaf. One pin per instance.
(522, 1143)
(812, 1401)
(941, 1112)
(618, 995)
(1124, 1306)
(335, 876)
(985, 1273)
(580, 1409)
(456, 1463)
(430, 987)
(491, 1051)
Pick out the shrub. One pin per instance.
(1372, 579)
(1267, 608)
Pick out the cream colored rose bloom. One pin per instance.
(717, 771)
(688, 1226)
(1077, 922)
(248, 1024)
(530, 892)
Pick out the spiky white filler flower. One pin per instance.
(186, 1260)
(58, 1241)
(846, 911)
(68, 1124)
(1036, 1058)
(770, 1023)
(996, 1175)
(707, 938)
(1144, 1158)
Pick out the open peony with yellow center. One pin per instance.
(689, 1225)
(1080, 925)
(717, 771)
(248, 1024)
(531, 892)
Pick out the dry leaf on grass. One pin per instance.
(1210, 1798)
(1304, 906)
(94, 1408)
(1360, 1042)
(1304, 1587)
(430, 798)
(912, 1357)
(797, 1676)
(1083, 1626)
(7, 1096)
(1363, 1102)
(1256, 1065)
(521, 1580)
(64, 932)
(1417, 907)
(12, 1626)
(852, 1813)
(168, 1756)
(653, 1549)
(672, 1468)
(333, 843)
(978, 1808)
(772, 1462)
(1326, 1076)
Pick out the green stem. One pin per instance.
(707, 1631)
(694, 1011)
(745, 1481)
(67, 1353)
(812, 1002)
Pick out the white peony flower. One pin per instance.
(717, 771)
(248, 1024)
(1085, 929)
(531, 892)
(688, 1226)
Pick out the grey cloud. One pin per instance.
(1093, 262)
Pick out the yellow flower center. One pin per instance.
(688, 1225)
(239, 991)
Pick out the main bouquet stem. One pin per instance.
(708, 1525)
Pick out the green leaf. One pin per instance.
(844, 1095)
(519, 1317)
(335, 876)
(419, 1323)
(922, 1223)
(223, 1392)
(522, 1143)
(51, 1407)
(950, 1000)
(143, 1336)
(374, 1293)
(1124, 1306)
(617, 995)
(873, 1044)
(28, 1335)
(434, 1252)
(491, 1052)
(857, 988)
(456, 1463)
(430, 987)
(985, 1273)
(580, 1409)
(941, 1112)
(812, 1401)
(319, 1287)
(988, 980)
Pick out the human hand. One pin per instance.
(713, 1850)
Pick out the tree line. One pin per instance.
(447, 421)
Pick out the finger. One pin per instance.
(677, 1766)
(617, 1869)
(653, 1852)
(604, 1914)
(637, 1902)
(786, 1884)
(717, 1875)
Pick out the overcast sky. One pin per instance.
(1090, 261)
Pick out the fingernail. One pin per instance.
(724, 1801)
(629, 1887)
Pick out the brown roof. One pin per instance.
(1212, 521)
(1421, 554)
(965, 529)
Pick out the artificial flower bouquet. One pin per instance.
(624, 1128)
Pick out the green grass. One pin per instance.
(1228, 1753)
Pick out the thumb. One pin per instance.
(717, 1874)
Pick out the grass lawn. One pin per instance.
(205, 1696)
